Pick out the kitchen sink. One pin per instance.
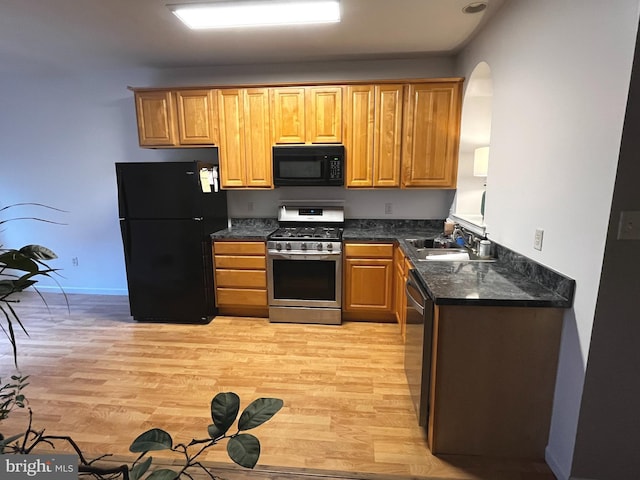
(424, 250)
(420, 242)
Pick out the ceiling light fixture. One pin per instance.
(245, 13)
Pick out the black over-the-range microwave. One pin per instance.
(313, 165)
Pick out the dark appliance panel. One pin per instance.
(166, 190)
(167, 265)
(304, 279)
(165, 221)
(417, 359)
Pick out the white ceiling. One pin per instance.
(38, 34)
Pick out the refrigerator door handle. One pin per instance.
(126, 240)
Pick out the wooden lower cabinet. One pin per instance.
(401, 270)
(492, 380)
(241, 278)
(368, 282)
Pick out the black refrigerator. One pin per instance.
(166, 215)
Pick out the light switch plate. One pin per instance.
(537, 239)
(629, 225)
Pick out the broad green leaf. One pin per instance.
(140, 469)
(38, 252)
(154, 439)
(214, 432)
(244, 449)
(6, 286)
(15, 260)
(224, 410)
(258, 412)
(6, 441)
(163, 474)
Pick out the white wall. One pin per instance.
(560, 79)
(63, 129)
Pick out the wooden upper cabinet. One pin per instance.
(231, 152)
(172, 118)
(287, 105)
(431, 134)
(196, 123)
(257, 134)
(307, 114)
(156, 118)
(324, 114)
(373, 135)
(245, 138)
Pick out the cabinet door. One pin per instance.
(431, 135)
(288, 110)
(196, 124)
(358, 135)
(156, 118)
(388, 136)
(400, 295)
(232, 152)
(369, 285)
(373, 135)
(257, 138)
(324, 115)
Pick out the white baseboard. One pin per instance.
(555, 466)
(82, 290)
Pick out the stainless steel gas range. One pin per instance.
(304, 265)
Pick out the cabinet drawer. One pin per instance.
(369, 250)
(239, 248)
(245, 297)
(240, 262)
(241, 278)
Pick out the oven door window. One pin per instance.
(304, 279)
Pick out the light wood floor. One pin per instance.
(102, 378)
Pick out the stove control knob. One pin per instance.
(329, 246)
(303, 246)
(319, 247)
(287, 246)
(278, 246)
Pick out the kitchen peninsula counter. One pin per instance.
(512, 280)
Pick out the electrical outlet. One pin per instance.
(629, 226)
(74, 261)
(388, 208)
(537, 239)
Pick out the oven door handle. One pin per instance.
(306, 256)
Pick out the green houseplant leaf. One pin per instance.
(15, 260)
(38, 252)
(214, 432)
(140, 469)
(258, 412)
(163, 474)
(154, 439)
(244, 449)
(224, 410)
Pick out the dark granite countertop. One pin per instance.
(512, 280)
(390, 230)
(247, 229)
